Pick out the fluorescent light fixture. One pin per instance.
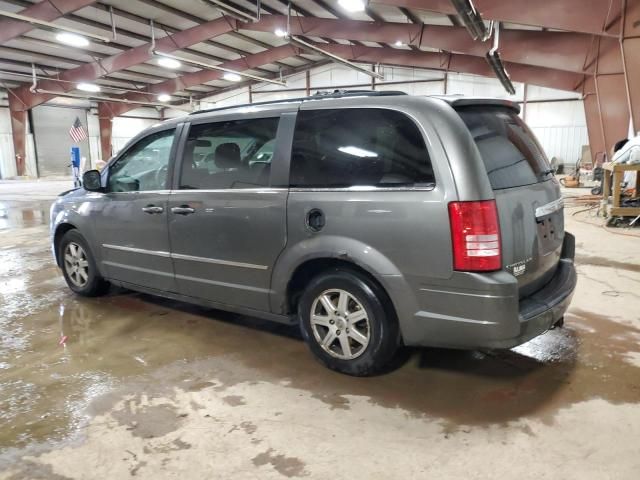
(357, 152)
(56, 93)
(163, 97)
(53, 27)
(319, 51)
(72, 39)
(232, 77)
(472, 19)
(167, 62)
(494, 60)
(206, 66)
(352, 5)
(235, 12)
(88, 87)
(280, 33)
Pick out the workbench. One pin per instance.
(617, 170)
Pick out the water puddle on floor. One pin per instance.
(23, 214)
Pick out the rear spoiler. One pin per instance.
(457, 101)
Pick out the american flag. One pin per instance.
(77, 131)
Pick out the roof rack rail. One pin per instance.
(316, 96)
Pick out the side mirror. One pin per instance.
(91, 181)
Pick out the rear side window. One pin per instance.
(510, 152)
(233, 154)
(358, 147)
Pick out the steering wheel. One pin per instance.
(161, 176)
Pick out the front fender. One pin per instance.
(74, 212)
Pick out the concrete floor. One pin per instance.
(130, 385)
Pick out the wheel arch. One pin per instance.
(301, 262)
(60, 231)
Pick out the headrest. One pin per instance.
(227, 155)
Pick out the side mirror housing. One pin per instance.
(91, 181)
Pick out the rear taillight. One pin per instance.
(475, 235)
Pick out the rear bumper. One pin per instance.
(485, 311)
(539, 312)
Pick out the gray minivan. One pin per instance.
(371, 219)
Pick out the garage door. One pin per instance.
(53, 144)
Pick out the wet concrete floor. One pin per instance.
(132, 385)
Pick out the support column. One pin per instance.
(105, 120)
(613, 105)
(19, 133)
(307, 83)
(611, 90)
(594, 121)
(630, 45)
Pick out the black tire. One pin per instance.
(94, 285)
(380, 326)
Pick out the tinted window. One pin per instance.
(360, 146)
(229, 154)
(144, 166)
(511, 154)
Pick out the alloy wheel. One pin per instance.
(340, 324)
(76, 264)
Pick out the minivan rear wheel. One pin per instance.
(348, 323)
(79, 267)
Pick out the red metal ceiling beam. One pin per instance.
(559, 50)
(123, 60)
(46, 11)
(200, 77)
(600, 17)
(545, 77)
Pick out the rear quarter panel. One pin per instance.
(401, 236)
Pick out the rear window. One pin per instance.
(511, 154)
(358, 147)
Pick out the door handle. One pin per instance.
(183, 210)
(152, 209)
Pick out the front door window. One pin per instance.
(144, 166)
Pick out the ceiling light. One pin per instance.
(232, 77)
(88, 87)
(280, 32)
(195, 63)
(169, 63)
(399, 44)
(54, 27)
(163, 97)
(352, 5)
(72, 39)
(235, 11)
(493, 57)
(472, 19)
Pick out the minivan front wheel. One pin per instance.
(79, 267)
(347, 322)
